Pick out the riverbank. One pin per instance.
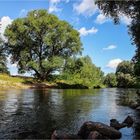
(22, 82)
(17, 82)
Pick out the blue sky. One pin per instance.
(107, 44)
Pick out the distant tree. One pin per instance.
(110, 80)
(125, 74)
(83, 71)
(130, 8)
(41, 42)
(125, 80)
(3, 60)
(126, 67)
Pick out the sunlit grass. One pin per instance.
(8, 78)
(7, 81)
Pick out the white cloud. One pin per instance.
(23, 13)
(125, 19)
(53, 6)
(5, 21)
(101, 18)
(86, 7)
(83, 31)
(114, 63)
(110, 47)
(53, 9)
(54, 1)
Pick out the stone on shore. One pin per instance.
(128, 121)
(115, 124)
(95, 135)
(103, 129)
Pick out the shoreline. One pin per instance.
(5, 85)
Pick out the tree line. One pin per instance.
(124, 76)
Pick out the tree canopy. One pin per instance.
(125, 74)
(126, 67)
(110, 80)
(40, 42)
(131, 9)
(82, 71)
(3, 60)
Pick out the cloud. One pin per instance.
(53, 6)
(85, 7)
(114, 63)
(23, 12)
(101, 18)
(125, 19)
(4, 22)
(110, 47)
(83, 31)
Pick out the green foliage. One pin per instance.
(110, 80)
(125, 74)
(3, 60)
(125, 80)
(131, 9)
(82, 71)
(41, 42)
(126, 67)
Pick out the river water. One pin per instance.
(37, 113)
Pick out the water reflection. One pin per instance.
(36, 113)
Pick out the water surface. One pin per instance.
(37, 113)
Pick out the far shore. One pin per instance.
(22, 82)
(19, 82)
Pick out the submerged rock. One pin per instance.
(134, 105)
(115, 124)
(128, 121)
(96, 130)
(138, 108)
(103, 129)
(57, 134)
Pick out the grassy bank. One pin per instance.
(7, 81)
(18, 82)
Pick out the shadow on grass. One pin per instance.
(71, 86)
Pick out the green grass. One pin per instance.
(8, 78)
(7, 81)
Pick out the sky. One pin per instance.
(107, 44)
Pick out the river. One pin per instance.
(32, 113)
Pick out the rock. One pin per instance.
(95, 135)
(103, 129)
(138, 108)
(128, 121)
(115, 124)
(134, 105)
(61, 135)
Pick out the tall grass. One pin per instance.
(7, 81)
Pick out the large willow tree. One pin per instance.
(3, 60)
(40, 42)
(130, 8)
